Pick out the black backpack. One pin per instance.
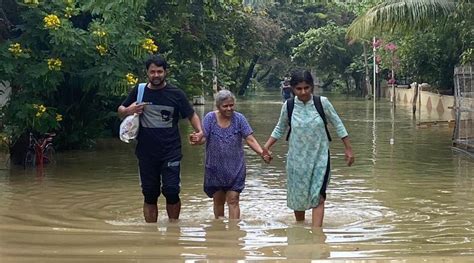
(290, 105)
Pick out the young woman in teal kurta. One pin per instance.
(308, 159)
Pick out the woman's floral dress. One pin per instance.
(225, 163)
(308, 151)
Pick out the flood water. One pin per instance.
(412, 201)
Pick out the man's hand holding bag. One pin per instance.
(130, 125)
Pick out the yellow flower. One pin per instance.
(31, 2)
(149, 45)
(131, 79)
(38, 114)
(59, 117)
(51, 22)
(54, 64)
(15, 49)
(41, 108)
(101, 49)
(248, 9)
(99, 33)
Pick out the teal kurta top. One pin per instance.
(308, 150)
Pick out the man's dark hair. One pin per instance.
(301, 75)
(157, 60)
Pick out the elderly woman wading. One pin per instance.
(224, 131)
(308, 157)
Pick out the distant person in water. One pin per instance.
(285, 89)
(225, 170)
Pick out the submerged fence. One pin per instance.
(463, 137)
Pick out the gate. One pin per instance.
(463, 137)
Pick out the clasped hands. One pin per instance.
(266, 155)
(196, 138)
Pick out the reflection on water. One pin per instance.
(413, 201)
(304, 243)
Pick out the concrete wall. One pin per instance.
(434, 107)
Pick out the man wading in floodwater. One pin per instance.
(159, 143)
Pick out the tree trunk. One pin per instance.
(262, 76)
(327, 83)
(358, 83)
(348, 84)
(248, 76)
(237, 74)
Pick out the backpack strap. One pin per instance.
(290, 105)
(141, 90)
(319, 107)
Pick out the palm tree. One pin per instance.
(392, 15)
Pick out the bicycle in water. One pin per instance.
(40, 150)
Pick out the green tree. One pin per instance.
(443, 28)
(325, 50)
(72, 57)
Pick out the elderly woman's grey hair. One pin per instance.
(223, 95)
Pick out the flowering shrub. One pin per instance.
(64, 62)
(29, 117)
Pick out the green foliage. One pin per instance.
(80, 57)
(325, 50)
(430, 57)
(29, 115)
(64, 55)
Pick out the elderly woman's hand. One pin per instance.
(266, 155)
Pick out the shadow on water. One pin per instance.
(410, 201)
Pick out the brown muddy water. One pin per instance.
(412, 201)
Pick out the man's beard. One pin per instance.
(157, 81)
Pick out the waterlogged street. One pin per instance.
(411, 201)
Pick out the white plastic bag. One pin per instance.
(129, 128)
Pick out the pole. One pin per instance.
(374, 126)
(392, 98)
(419, 103)
(375, 69)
